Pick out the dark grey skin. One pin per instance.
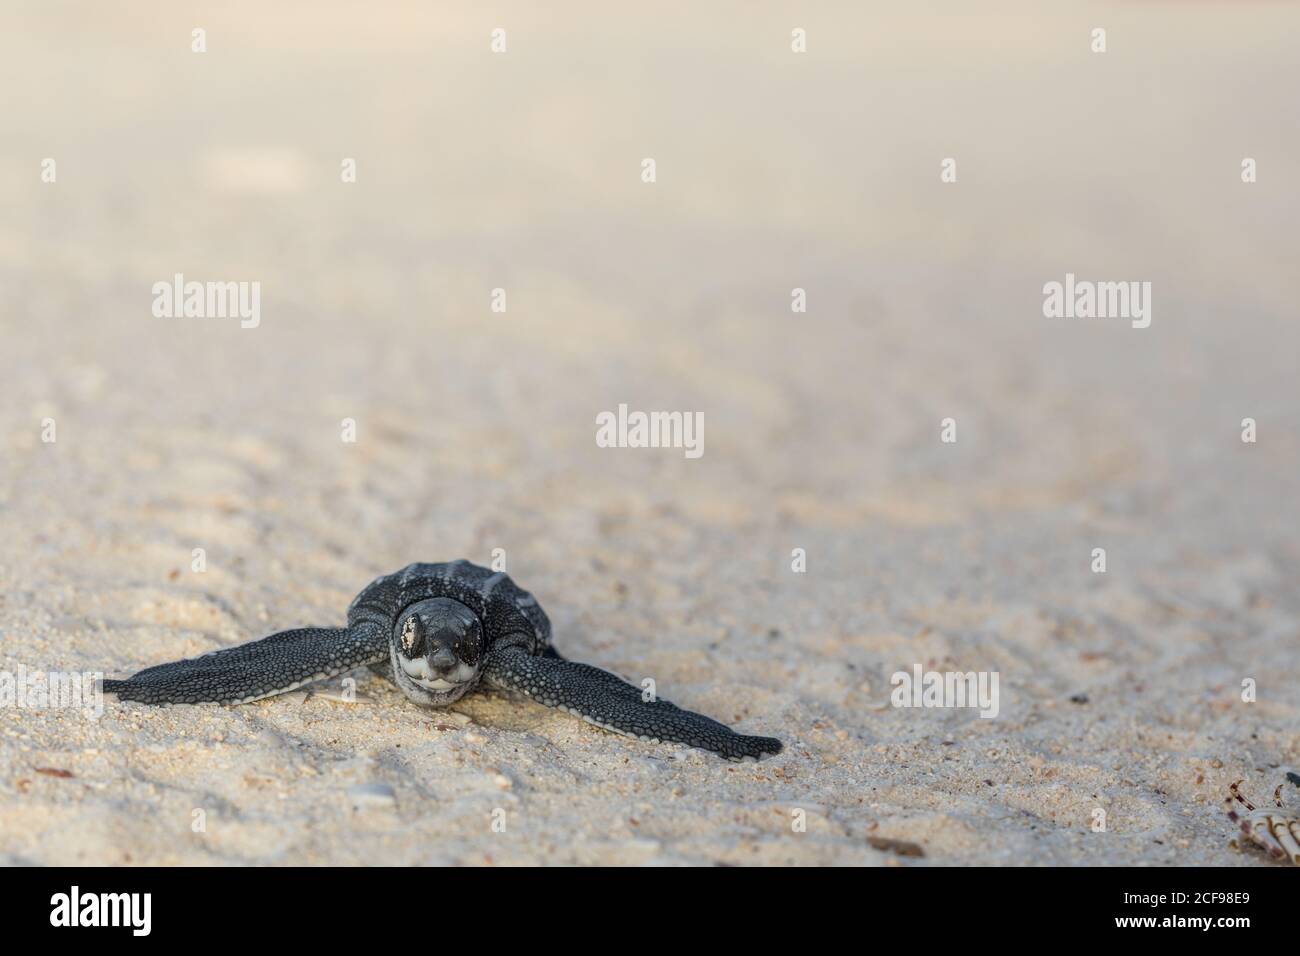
(437, 630)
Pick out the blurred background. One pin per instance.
(475, 430)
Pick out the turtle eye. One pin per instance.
(470, 647)
(412, 638)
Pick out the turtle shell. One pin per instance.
(501, 605)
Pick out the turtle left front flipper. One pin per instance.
(605, 700)
(273, 665)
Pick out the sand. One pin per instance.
(1119, 691)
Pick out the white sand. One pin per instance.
(475, 430)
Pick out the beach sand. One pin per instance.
(1119, 691)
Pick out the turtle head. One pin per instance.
(437, 651)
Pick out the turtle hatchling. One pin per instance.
(436, 631)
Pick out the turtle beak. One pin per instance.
(442, 658)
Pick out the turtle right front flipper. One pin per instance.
(273, 665)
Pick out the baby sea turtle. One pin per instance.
(435, 630)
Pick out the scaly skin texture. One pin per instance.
(600, 698)
(518, 656)
(273, 665)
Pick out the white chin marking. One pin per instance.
(435, 684)
(419, 673)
